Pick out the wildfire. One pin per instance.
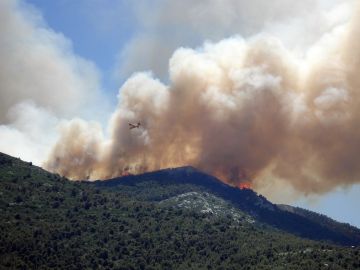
(239, 176)
(245, 185)
(126, 173)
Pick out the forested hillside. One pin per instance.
(163, 184)
(47, 221)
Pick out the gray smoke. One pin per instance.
(242, 109)
(275, 106)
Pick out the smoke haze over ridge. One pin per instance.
(241, 109)
(247, 108)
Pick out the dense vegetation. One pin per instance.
(50, 222)
(163, 184)
(344, 229)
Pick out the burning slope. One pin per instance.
(240, 109)
(245, 185)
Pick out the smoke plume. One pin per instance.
(41, 81)
(263, 109)
(241, 109)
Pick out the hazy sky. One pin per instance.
(103, 42)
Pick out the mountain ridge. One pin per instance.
(50, 222)
(247, 200)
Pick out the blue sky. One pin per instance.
(341, 204)
(112, 34)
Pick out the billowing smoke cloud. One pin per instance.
(41, 81)
(163, 29)
(243, 109)
(265, 109)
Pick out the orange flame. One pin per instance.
(126, 173)
(245, 185)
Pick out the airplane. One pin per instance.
(132, 126)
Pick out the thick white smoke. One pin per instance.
(242, 109)
(41, 80)
(275, 103)
(168, 25)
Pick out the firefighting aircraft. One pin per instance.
(132, 126)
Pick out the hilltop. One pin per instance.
(163, 184)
